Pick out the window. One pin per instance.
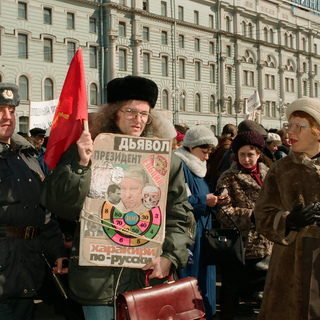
(212, 73)
(274, 109)
(291, 41)
(122, 59)
(267, 81)
(304, 44)
(244, 28)
(315, 49)
(267, 109)
(146, 63)
(180, 13)
(122, 29)
(197, 71)
(250, 30)
(93, 57)
(265, 34)
(197, 44)
(145, 5)
(164, 66)
(289, 85)
(271, 36)
(163, 8)
(197, 102)
(48, 89)
(316, 86)
(305, 87)
(228, 51)
(164, 37)
(24, 124)
(22, 46)
(165, 100)
(292, 85)
(47, 49)
(229, 105)
(71, 50)
(212, 104)
(229, 75)
(315, 68)
(182, 101)
(228, 24)
(93, 94)
(211, 47)
(145, 33)
(211, 21)
(23, 88)
(22, 10)
(182, 72)
(181, 41)
(70, 20)
(92, 25)
(273, 82)
(47, 15)
(304, 67)
(196, 16)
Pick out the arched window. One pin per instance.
(93, 94)
(182, 101)
(304, 44)
(212, 104)
(285, 39)
(23, 88)
(48, 89)
(244, 28)
(228, 24)
(229, 105)
(265, 33)
(291, 41)
(165, 100)
(197, 102)
(271, 33)
(250, 29)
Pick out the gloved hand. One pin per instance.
(301, 216)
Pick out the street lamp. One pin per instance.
(281, 107)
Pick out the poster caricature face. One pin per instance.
(128, 192)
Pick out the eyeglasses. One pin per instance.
(130, 114)
(294, 127)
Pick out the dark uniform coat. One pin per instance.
(22, 266)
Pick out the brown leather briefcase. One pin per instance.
(175, 300)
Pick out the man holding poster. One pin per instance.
(129, 111)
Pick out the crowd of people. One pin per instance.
(272, 178)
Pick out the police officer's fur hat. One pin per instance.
(37, 132)
(132, 88)
(9, 94)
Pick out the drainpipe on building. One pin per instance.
(102, 54)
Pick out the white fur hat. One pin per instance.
(273, 137)
(199, 135)
(308, 105)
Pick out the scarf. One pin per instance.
(195, 165)
(253, 171)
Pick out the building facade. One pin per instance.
(207, 57)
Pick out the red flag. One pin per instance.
(72, 109)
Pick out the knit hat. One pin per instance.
(132, 88)
(250, 125)
(308, 105)
(9, 94)
(246, 138)
(198, 136)
(273, 137)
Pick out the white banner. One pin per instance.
(42, 113)
(253, 103)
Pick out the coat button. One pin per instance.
(79, 171)
(25, 290)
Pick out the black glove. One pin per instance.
(301, 216)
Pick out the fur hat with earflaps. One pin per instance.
(9, 94)
(132, 88)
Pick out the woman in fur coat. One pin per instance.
(286, 213)
(197, 145)
(244, 180)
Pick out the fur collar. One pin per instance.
(302, 158)
(237, 171)
(196, 166)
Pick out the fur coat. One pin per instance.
(244, 191)
(292, 285)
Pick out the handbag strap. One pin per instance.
(219, 207)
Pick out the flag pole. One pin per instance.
(85, 126)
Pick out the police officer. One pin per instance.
(26, 228)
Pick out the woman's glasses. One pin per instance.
(294, 127)
(130, 114)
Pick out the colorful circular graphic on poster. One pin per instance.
(145, 225)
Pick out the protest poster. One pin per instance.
(123, 218)
(41, 114)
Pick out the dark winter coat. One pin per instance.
(291, 181)
(22, 266)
